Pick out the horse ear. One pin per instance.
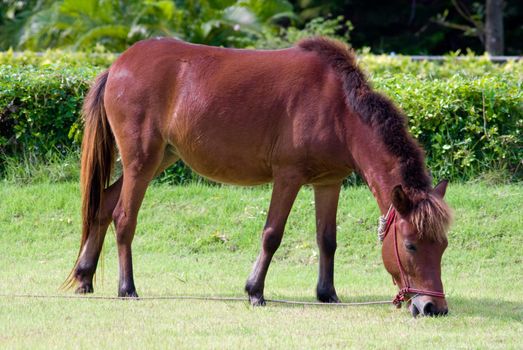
(400, 200)
(441, 188)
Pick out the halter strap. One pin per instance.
(390, 220)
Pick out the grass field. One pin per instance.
(202, 240)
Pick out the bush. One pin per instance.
(466, 125)
(40, 108)
(57, 58)
(467, 113)
(466, 66)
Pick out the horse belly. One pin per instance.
(224, 153)
(231, 172)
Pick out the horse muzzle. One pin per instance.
(422, 305)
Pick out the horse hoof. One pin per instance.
(257, 300)
(128, 294)
(333, 299)
(84, 289)
(330, 298)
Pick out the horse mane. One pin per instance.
(430, 214)
(374, 109)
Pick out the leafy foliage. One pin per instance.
(467, 112)
(85, 24)
(466, 65)
(58, 58)
(40, 106)
(270, 38)
(116, 25)
(466, 125)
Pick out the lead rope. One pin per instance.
(400, 297)
(193, 297)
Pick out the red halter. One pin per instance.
(400, 297)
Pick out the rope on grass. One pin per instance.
(194, 297)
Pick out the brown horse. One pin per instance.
(303, 115)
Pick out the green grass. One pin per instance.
(28, 168)
(202, 240)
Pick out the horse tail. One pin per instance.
(98, 151)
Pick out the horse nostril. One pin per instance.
(429, 309)
(414, 310)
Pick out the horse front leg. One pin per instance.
(326, 200)
(284, 193)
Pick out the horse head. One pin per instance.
(413, 244)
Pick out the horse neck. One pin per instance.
(381, 180)
(374, 163)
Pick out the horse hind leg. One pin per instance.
(89, 256)
(326, 200)
(284, 192)
(141, 162)
(88, 260)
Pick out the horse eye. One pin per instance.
(410, 247)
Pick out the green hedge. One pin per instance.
(468, 113)
(39, 108)
(57, 58)
(467, 126)
(468, 67)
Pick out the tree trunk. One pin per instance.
(494, 38)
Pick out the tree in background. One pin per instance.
(494, 35)
(484, 22)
